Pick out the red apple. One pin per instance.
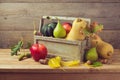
(67, 26)
(38, 51)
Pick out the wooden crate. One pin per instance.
(69, 50)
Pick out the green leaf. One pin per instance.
(16, 48)
(97, 64)
(97, 28)
(87, 32)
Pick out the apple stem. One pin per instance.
(36, 41)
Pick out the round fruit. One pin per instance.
(38, 51)
(67, 26)
(47, 30)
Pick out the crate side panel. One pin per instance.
(70, 52)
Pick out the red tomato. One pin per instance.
(38, 51)
(67, 26)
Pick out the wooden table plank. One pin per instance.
(10, 63)
(12, 69)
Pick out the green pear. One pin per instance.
(105, 50)
(92, 54)
(59, 31)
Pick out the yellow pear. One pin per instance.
(104, 49)
(77, 32)
(94, 39)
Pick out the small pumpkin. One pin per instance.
(47, 29)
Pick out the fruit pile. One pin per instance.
(80, 30)
(99, 52)
(66, 30)
(56, 29)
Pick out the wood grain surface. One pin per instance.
(18, 16)
(57, 1)
(12, 69)
(11, 63)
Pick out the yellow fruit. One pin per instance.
(70, 63)
(55, 62)
(104, 49)
(94, 40)
(77, 31)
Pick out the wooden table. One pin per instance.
(12, 69)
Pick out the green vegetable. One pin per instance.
(28, 55)
(16, 48)
(21, 56)
(47, 30)
(97, 64)
(25, 55)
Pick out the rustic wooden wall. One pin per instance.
(16, 17)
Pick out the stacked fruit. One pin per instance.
(79, 30)
(74, 31)
(56, 29)
(99, 51)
